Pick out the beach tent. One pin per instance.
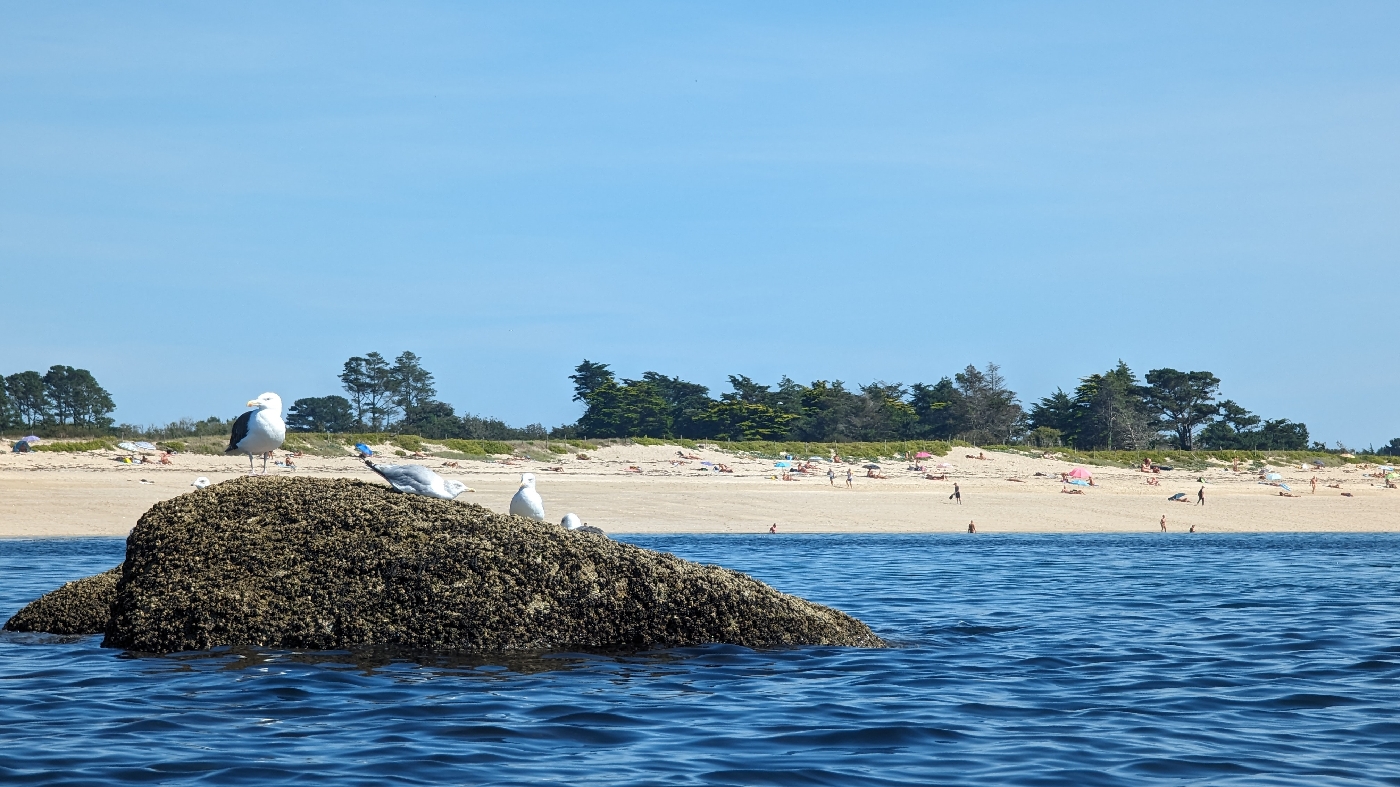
(1273, 477)
(1080, 472)
(782, 464)
(22, 447)
(1078, 482)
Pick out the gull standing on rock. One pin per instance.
(527, 501)
(419, 480)
(259, 430)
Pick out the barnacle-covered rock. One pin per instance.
(310, 563)
(79, 607)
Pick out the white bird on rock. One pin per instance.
(200, 483)
(527, 501)
(259, 430)
(419, 480)
(573, 524)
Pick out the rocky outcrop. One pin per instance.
(306, 563)
(80, 607)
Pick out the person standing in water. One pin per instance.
(1201, 496)
(957, 493)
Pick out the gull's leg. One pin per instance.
(264, 464)
(250, 464)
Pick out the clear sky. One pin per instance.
(200, 202)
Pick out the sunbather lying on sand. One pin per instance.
(932, 477)
(1282, 493)
(1067, 491)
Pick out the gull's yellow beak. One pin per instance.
(253, 403)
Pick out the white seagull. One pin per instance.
(200, 483)
(527, 501)
(259, 430)
(571, 521)
(419, 480)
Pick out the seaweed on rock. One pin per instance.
(80, 607)
(308, 563)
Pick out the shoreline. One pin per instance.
(73, 495)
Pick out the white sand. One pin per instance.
(49, 494)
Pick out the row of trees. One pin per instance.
(1117, 410)
(397, 397)
(61, 397)
(1106, 411)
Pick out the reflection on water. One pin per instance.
(1218, 660)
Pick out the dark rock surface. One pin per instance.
(309, 563)
(79, 607)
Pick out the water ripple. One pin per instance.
(1025, 660)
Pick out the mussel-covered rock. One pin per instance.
(79, 607)
(309, 563)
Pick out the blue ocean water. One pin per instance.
(1023, 660)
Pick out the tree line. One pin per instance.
(61, 397)
(399, 397)
(1111, 410)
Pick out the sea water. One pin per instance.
(1039, 660)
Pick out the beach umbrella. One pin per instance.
(31, 439)
(923, 455)
(1318, 462)
(145, 446)
(1080, 472)
(782, 464)
(1285, 486)
(817, 459)
(128, 446)
(1273, 477)
(871, 466)
(364, 449)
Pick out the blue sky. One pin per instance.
(199, 203)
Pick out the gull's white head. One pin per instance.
(200, 483)
(571, 521)
(268, 401)
(527, 479)
(455, 487)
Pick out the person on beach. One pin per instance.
(1164, 523)
(774, 528)
(1192, 530)
(849, 478)
(1314, 484)
(831, 475)
(971, 527)
(1201, 496)
(957, 493)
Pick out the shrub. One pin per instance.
(479, 447)
(77, 445)
(409, 442)
(174, 445)
(555, 448)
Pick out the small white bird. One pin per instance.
(571, 521)
(419, 480)
(527, 501)
(259, 430)
(201, 482)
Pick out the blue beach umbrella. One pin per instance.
(782, 464)
(364, 449)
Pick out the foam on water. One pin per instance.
(1045, 660)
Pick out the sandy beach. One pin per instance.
(90, 494)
